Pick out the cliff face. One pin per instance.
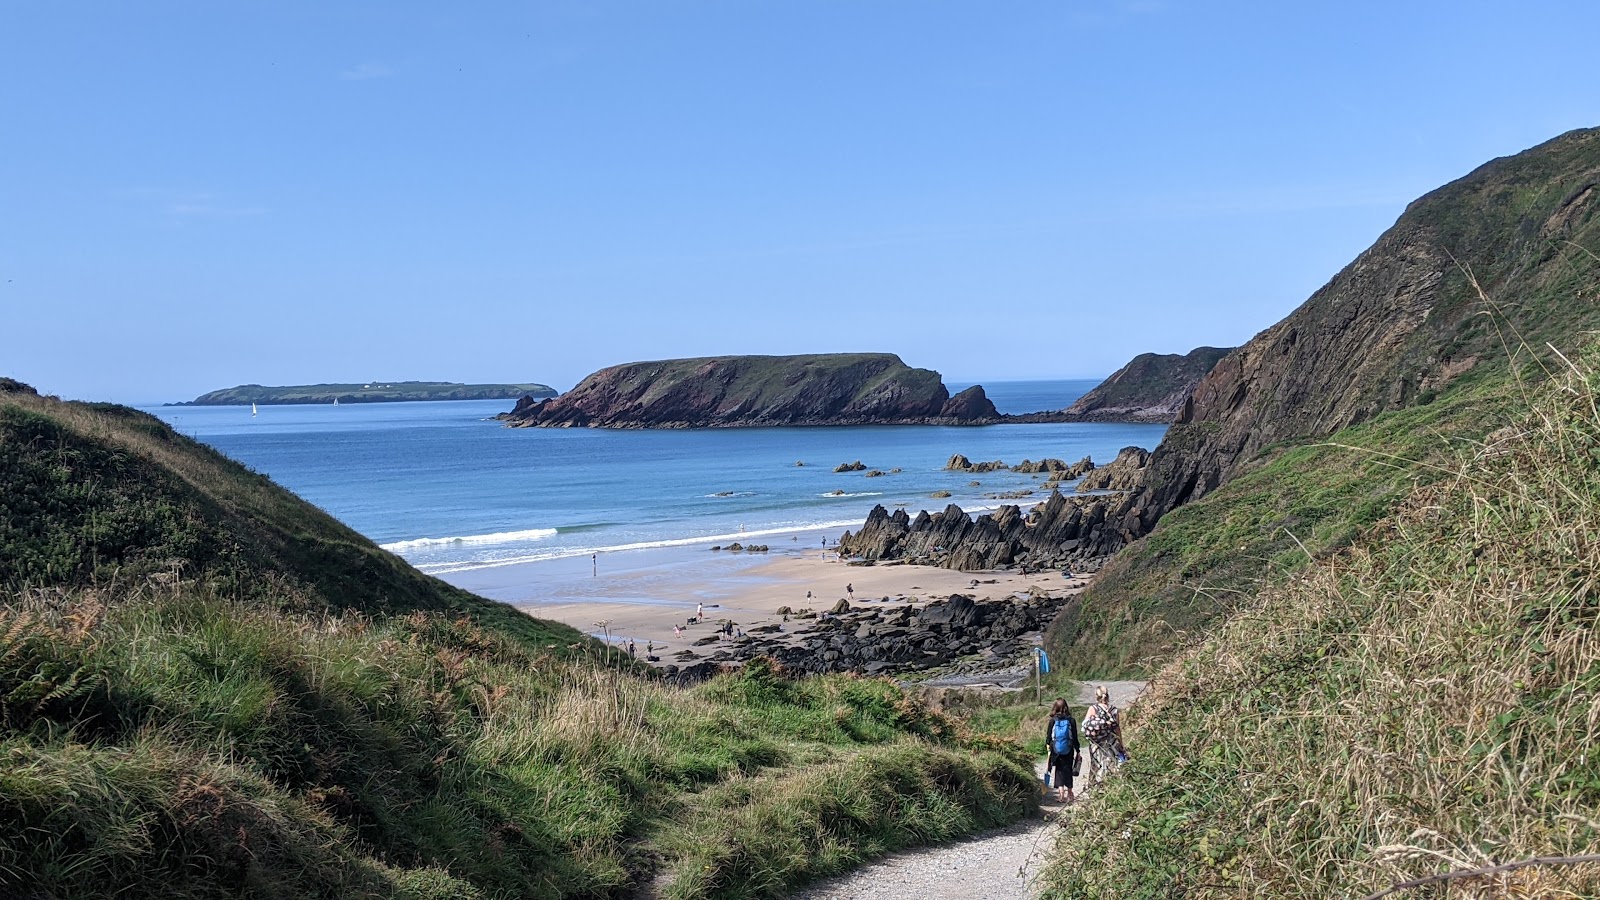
(1152, 387)
(824, 389)
(1396, 327)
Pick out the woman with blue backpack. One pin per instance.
(1061, 737)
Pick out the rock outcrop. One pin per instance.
(1061, 532)
(891, 639)
(824, 389)
(1152, 387)
(1124, 473)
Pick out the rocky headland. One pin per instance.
(1152, 388)
(733, 391)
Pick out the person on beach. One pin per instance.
(1102, 725)
(633, 649)
(850, 590)
(699, 611)
(1066, 754)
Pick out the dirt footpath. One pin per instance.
(999, 865)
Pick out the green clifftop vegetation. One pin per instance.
(372, 392)
(1314, 429)
(210, 688)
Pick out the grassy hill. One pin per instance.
(1420, 703)
(1317, 426)
(210, 688)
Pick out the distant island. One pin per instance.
(371, 392)
(732, 391)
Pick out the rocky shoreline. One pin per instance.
(1072, 532)
(955, 635)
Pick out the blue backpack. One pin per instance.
(1061, 737)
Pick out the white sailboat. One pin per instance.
(252, 409)
(336, 401)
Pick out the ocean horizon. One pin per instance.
(454, 492)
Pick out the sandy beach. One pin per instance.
(642, 596)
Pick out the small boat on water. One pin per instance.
(252, 409)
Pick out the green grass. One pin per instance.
(208, 687)
(176, 742)
(1291, 505)
(1420, 702)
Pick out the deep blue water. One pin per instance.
(451, 490)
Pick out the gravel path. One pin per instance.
(999, 865)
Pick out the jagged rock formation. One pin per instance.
(959, 463)
(1061, 531)
(891, 639)
(1392, 329)
(1121, 474)
(1077, 470)
(823, 389)
(1152, 387)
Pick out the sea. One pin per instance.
(459, 495)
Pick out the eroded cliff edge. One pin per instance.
(728, 391)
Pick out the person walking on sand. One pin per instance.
(1066, 754)
(850, 590)
(699, 611)
(1102, 725)
(633, 649)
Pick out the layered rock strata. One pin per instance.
(727, 391)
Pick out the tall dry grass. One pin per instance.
(1425, 702)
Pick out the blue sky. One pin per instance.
(196, 195)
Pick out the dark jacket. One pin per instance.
(1050, 739)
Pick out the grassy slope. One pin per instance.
(1517, 232)
(1207, 557)
(208, 687)
(93, 493)
(1420, 702)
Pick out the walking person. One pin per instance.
(1066, 754)
(850, 590)
(1102, 725)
